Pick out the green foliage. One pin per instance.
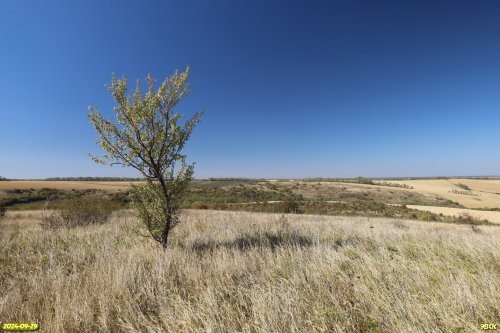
(222, 182)
(91, 179)
(230, 179)
(147, 133)
(390, 184)
(345, 208)
(80, 212)
(35, 198)
(473, 222)
(463, 186)
(24, 196)
(148, 136)
(363, 180)
(289, 206)
(155, 209)
(211, 196)
(466, 192)
(121, 197)
(426, 216)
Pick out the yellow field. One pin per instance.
(485, 193)
(491, 216)
(63, 185)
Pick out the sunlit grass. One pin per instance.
(251, 272)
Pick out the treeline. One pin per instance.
(234, 179)
(3, 178)
(357, 180)
(92, 179)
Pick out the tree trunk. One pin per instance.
(166, 227)
(165, 233)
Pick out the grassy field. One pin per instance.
(428, 199)
(480, 193)
(251, 272)
(354, 192)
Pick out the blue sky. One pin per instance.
(289, 88)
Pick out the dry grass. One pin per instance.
(250, 272)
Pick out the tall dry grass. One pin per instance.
(250, 272)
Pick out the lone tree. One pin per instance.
(148, 136)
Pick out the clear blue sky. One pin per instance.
(290, 88)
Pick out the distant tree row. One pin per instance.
(3, 178)
(229, 179)
(360, 180)
(92, 179)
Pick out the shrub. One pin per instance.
(220, 206)
(463, 186)
(426, 216)
(80, 212)
(199, 205)
(289, 206)
(363, 180)
(2, 209)
(466, 192)
(473, 222)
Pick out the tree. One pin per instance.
(148, 136)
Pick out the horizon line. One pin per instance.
(112, 178)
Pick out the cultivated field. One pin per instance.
(483, 193)
(251, 272)
(492, 216)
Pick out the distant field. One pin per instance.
(63, 185)
(483, 193)
(101, 185)
(435, 195)
(347, 191)
(491, 216)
